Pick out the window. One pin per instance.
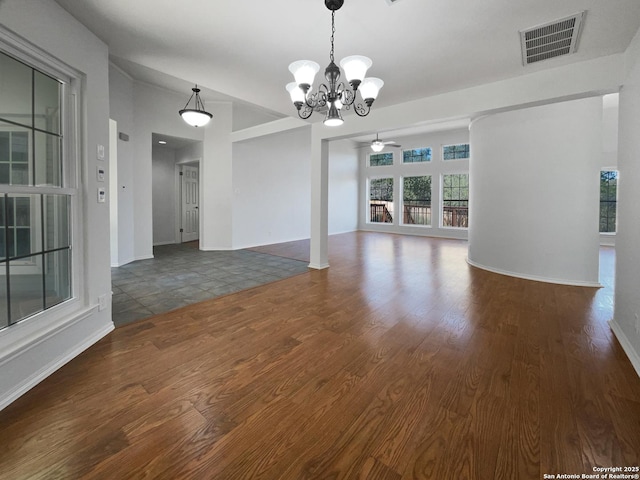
(35, 204)
(416, 155)
(455, 152)
(455, 200)
(380, 159)
(381, 200)
(608, 200)
(416, 200)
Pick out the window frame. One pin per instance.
(442, 200)
(609, 169)
(70, 149)
(371, 154)
(393, 197)
(457, 158)
(428, 161)
(402, 200)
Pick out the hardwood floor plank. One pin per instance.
(399, 361)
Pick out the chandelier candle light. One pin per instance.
(198, 116)
(335, 94)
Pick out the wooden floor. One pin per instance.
(399, 362)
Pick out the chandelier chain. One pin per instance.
(333, 32)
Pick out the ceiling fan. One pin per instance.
(377, 144)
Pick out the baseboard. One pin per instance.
(318, 266)
(536, 278)
(626, 345)
(172, 242)
(45, 371)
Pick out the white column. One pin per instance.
(319, 200)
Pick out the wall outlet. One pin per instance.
(102, 302)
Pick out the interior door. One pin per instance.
(190, 227)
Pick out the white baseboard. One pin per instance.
(10, 396)
(319, 267)
(535, 278)
(626, 344)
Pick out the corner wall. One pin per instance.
(534, 192)
(626, 321)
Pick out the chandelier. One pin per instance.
(333, 95)
(198, 116)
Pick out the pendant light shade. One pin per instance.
(197, 116)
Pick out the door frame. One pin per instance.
(178, 204)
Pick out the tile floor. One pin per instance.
(179, 275)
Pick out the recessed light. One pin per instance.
(162, 142)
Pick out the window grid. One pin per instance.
(416, 200)
(381, 200)
(416, 155)
(380, 159)
(455, 152)
(455, 200)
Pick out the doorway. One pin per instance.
(176, 189)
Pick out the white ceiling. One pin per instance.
(241, 49)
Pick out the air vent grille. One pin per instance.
(552, 39)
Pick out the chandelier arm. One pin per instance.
(305, 113)
(360, 109)
(347, 97)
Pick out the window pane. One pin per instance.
(455, 200)
(416, 200)
(416, 155)
(15, 91)
(608, 200)
(24, 225)
(56, 221)
(453, 152)
(26, 288)
(57, 277)
(381, 200)
(5, 145)
(14, 155)
(48, 165)
(381, 159)
(47, 103)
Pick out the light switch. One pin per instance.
(100, 174)
(100, 152)
(102, 195)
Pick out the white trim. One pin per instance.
(319, 267)
(626, 344)
(32, 333)
(38, 376)
(536, 278)
(170, 242)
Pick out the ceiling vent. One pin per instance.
(552, 39)
(391, 2)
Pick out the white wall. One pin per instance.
(609, 158)
(271, 189)
(155, 111)
(626, 323)
(343, 187)
(164, 195)
(33, 349)
(121, 110)
(534, 192)
(436, 168)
